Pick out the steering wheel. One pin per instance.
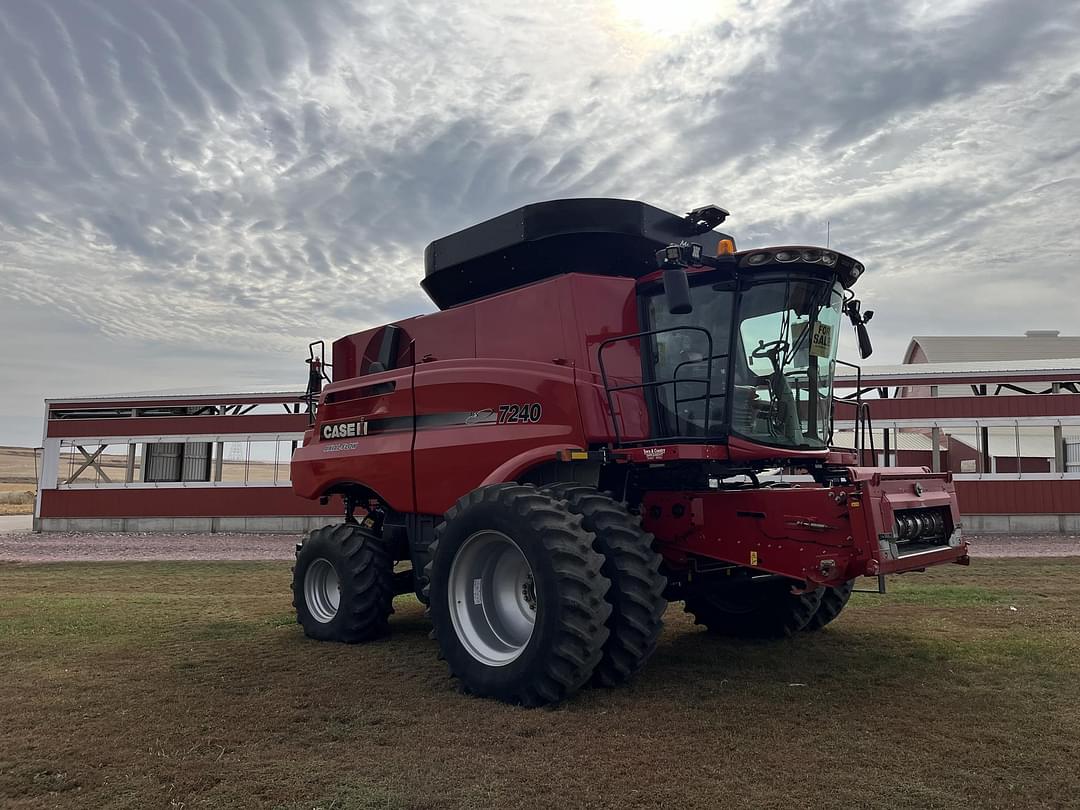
(769, 349)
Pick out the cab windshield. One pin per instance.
(780, 367)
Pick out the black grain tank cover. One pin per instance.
(599, 236)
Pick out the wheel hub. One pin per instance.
(528, 593)
(322, 590)
(492, 598)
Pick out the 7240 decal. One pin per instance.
(517, 414)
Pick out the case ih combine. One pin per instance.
(584, 431)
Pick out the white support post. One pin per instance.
(1018, 466)
(935, 439)
(50, 471)
(1059, 437)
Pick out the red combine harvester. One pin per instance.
(601, 418)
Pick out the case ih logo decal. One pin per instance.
(344, 430)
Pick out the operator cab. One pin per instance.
(744, 344)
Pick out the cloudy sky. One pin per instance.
(192, 190)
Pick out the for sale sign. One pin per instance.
(821, 340)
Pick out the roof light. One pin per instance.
(695, 253)
(811, 255)
(725, 248)
(786, 256)
(758, 258)
(828, 258)
(856, 270)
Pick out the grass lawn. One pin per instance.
(189, 685)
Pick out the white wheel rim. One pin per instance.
(492, 598)
(322, 590)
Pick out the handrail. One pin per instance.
(645, 385)
(863, 423)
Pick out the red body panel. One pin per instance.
(823, 535)
(381, 461)
(551, 330)
(456, 458)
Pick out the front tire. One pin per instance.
(343, 584)
(751, 609)
(517, 596)
(833, 600)
(637, 586)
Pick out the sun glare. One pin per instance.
(665, 17)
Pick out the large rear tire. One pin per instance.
(636, 595)
(517, 596)
(751, 609)
(833, 600)
(343, 584)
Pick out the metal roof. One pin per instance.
(1034, 442)
(1036, 345)
(204, 393)
(990, 369)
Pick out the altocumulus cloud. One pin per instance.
(191, 190)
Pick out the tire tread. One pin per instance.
(637, 585)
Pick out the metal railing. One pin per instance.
(864, 427)
(651, 385)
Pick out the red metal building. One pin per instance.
(195, 462)
(1008, 430)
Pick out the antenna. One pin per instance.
(828, 231)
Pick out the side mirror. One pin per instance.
(865, 347)
(859, 319)
(677, 291)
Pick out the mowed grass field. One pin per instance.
(188, 685)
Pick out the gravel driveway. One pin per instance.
(56, 547)
(29, 547)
